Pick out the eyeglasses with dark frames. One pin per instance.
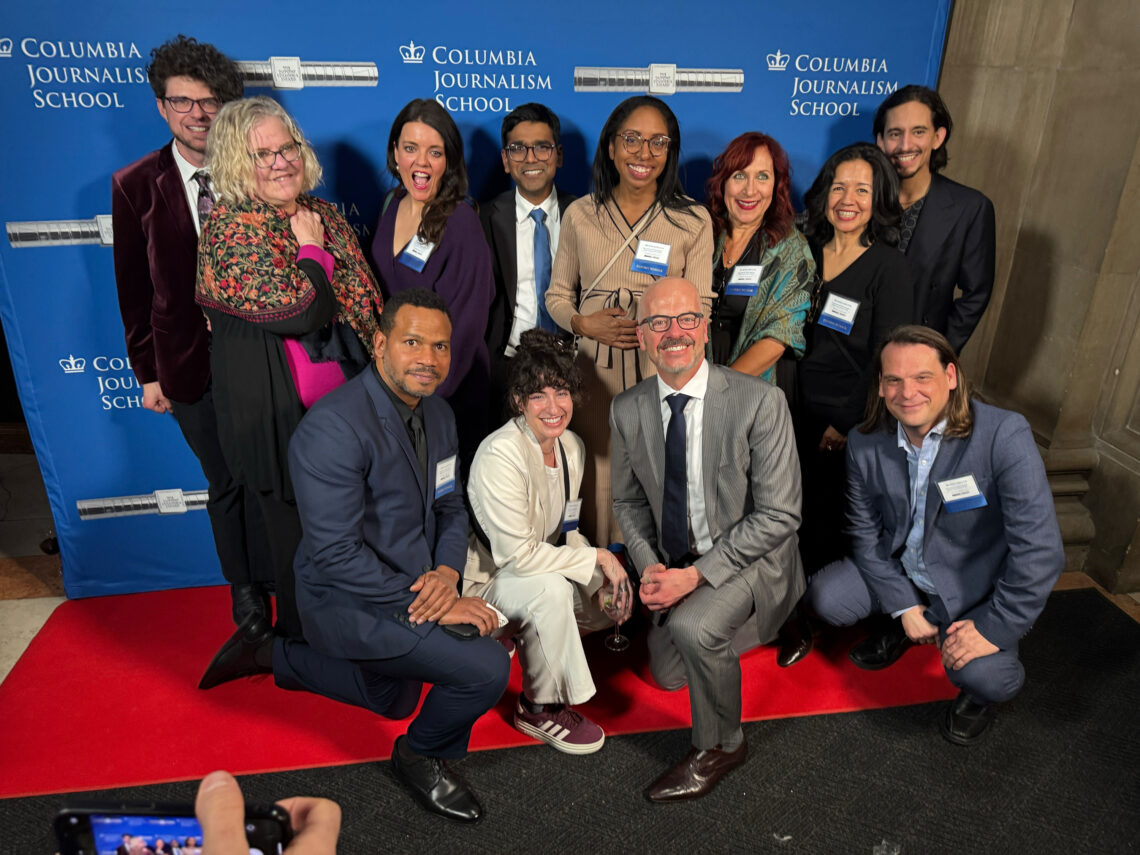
(632, 141)
(266, 157)
(181, 104)
(662, 323)
(516, 151)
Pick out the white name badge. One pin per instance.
(961, 494)
(839, 313)
(572, 513)
(445, 476)
(745, 280)
(651, 257)
(416, 253)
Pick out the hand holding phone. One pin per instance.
(221, 810)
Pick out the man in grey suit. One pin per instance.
(953, 529)
(707, 493)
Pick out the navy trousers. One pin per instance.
(467, 676)
(839, 596)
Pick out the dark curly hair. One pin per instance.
(453, 185)
(183, 56)
(886, 212)
(542, 359)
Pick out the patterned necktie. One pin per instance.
(205, 197)
(675, 501)
(542, 268)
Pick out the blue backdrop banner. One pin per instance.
(126, 492)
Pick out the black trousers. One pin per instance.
(240, 537)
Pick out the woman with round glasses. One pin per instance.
(430, 237)
(865, 290)
(292, 303)
(635, 227)
(762, 266)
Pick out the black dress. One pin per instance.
(833, 382)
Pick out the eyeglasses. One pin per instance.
(633, 141)
(516, 151)
(662, 323)
(180, 104)
(266, 157)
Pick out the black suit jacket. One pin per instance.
(156, 262)
(953, 245)
(498, 218)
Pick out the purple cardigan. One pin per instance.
(459, 270)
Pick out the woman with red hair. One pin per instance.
(762, 266)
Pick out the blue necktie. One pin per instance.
(675, 501)
(542, 268)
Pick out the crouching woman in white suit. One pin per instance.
(529, 560)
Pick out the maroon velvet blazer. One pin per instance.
(156, 262)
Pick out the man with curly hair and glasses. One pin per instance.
(158, 206)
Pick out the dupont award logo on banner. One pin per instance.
(77, 75)
(832, 85)
(479, 80)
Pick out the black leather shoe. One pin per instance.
(248, 599)
(247, 652)
(795, 639)
(696, 774)
(882, 648)
(435, 786)
(965, 720)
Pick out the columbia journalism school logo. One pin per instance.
(468, 79)
(825, 87)
(412, 54)
(73, 365)
(778, 61)
(657, 79)
(36, 233)
(5, 48)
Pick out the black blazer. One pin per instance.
(953, 245)
(498, 219)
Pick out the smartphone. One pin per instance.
(110, 828)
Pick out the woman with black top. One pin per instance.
(865, 290)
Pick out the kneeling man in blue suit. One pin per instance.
(378, 569)
(952, 526)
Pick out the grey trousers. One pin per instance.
(700, 646)
(838, 594)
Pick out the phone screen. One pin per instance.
(96, 833)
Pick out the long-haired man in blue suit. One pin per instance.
(952, 526)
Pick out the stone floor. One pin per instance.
(31, 584)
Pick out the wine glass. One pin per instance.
(616, 641)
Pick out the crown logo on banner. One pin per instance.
(71, 365)
(412, 53)
(778, 61)
(5, 48)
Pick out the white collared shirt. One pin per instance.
(186, 169)
(526, 301)
(694, 446)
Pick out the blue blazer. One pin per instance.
(371, 523)
(994, 565)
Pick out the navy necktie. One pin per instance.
(542, 268)
(675, 501)
(205, 197)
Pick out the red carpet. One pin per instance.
(106, 696)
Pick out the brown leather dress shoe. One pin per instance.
(697, 774)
